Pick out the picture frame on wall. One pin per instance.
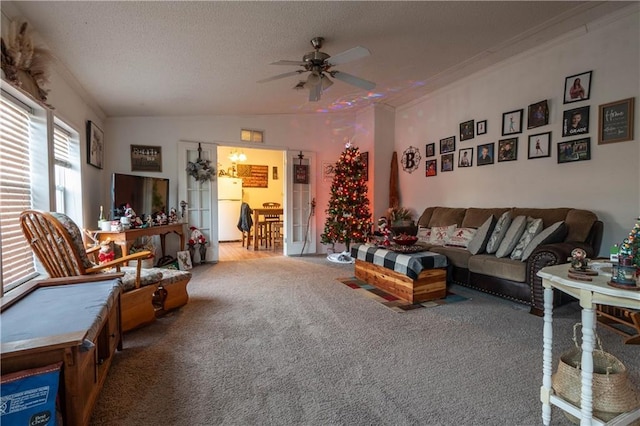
(447, 145)
(146, 158)
(485, 154)
(301, 173)
(467, 130)
(430, 149)
(577, 87)
(539, 145)
(575, 121)
(538, 114)
(95, 145)
(446, 163)
(431, 167)
(365, 161)
(465, 157)
(616, 121)
(507, 150)
(575, 150)
(512, 122)
(481, 127)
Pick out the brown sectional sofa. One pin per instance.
(514, 279)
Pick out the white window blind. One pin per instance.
(61, 143)
(18, 262)
(62, 158)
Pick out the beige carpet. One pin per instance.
(279, 341)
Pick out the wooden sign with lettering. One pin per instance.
(616, 122)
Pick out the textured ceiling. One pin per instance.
(205, 58)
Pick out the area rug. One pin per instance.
(394, 303)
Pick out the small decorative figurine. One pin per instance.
(173, 215)
(579, 260)
(105, 254)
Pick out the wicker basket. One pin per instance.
(613, 394)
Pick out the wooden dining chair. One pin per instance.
(271, 224)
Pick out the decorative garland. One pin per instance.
(201, 169)
(23, 64)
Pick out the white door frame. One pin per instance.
(299, 212)
(185, 182)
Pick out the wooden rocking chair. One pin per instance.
(57, 242)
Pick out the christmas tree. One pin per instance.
(630, 247)
(348, 216)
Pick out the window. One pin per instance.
(18, 263)
(61, 148)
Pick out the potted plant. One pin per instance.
(400, 216)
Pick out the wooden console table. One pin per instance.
(77, 324)
(589, 293)
(126, 238)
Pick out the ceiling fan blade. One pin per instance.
(353, 80)
(349, 55)
(279, 76)
(301, 63)
(314, 93)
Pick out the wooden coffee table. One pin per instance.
(416, 277)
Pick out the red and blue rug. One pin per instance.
(394, 303)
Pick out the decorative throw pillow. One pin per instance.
(424, 234)
(461, 237)
(498, 232)
(533, 228)
(441, 234)
(512, 236)
(479, 242)
(553, 234)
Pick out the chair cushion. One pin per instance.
(479, 242)
(424, 234)
(553, 234)
(511, 238)
(76, 237)
(148, 276)
(441, 234)
(501, 228)
(461, 237)
(505, 268)
(533, 228)
(170, 276)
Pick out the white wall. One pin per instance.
(608, 184)
(324, 135)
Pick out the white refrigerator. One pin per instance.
(229, 201)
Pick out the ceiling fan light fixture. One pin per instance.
(313, 79)
(326, 82)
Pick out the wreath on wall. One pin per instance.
(201, 169)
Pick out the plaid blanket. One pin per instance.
(408, 264)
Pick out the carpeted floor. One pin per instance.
(278, 341)
(392, 302)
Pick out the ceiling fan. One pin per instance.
(319, 64)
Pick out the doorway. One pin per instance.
(260, 175)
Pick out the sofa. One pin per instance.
(512, 272)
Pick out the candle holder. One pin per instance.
(624, 273)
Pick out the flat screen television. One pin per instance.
(146, 195)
